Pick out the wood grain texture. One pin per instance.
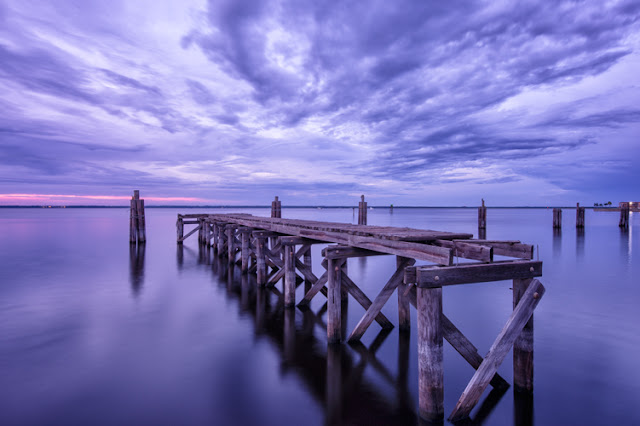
(477, 273)
(430, 354)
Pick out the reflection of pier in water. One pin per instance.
(334, 374)
(136, 267)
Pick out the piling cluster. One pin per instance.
(137, 225)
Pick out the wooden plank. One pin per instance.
(341, 251)
(477, 273)
(507, 248)
(498, 351)
(430, 354)
(479, 252)
(380, 300)
(287, 240)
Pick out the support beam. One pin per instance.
(498, 351)
(380, 300)
(430, 354)
(477, 273)
(245, 235)
(261, 266)
(289, 276)
(461, 344)
(334, 317)
(523, 345)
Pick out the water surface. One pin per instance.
(95, 332)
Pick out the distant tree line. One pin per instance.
(608, 203)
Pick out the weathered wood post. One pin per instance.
(289, 275)
(334, 385)
(579, 216)
(133, 222)
(624, 216)
(245, 235)
(231, 243)
(261, 265)
(214, 236)
(137, 225)
(557, 218)
(306, 259)
(523, 345)
(180, 228)
(276, 208)
(430, 354)
(482, 216)
(404, 302)
(362, 211)
(200, 231)
(334, 301)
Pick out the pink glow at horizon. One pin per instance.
(60, 198)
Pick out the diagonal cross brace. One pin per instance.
(498, 351)
(380, 300)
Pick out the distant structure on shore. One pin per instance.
(634, 206)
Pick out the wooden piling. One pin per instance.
(624, 216)
(430, 354)
(276, 208)
(245, 234)
(180, 228)
(362, 211)
(231, 244)
(334, 301)
(306, 259)
(142, 232)
(137, 223)
(557, 218)
(133, 222)
(579, 216)
(261, 266)
(523, 345)
(482, 216)
(289, 276)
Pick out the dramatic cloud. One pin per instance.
(235, 101)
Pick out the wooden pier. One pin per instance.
(276, 249)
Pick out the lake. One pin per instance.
(94, 332)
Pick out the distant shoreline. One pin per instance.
(611, 209)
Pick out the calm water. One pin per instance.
(92, 332)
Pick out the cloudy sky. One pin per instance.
(235, 101)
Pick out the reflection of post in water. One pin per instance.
(136, 267)
(523, 408)
(204, 255)
(289, 335)
(580, 242)
(625, 244)
(557, 241)
(334, 384)
(180, 256)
